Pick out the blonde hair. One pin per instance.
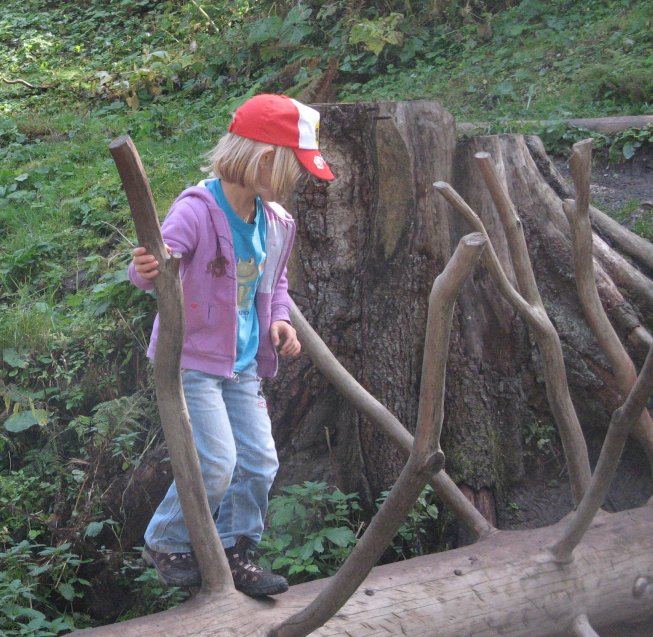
(236, 159)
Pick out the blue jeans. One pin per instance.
(238, 460)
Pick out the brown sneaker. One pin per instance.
(250, 578)
(173, 569)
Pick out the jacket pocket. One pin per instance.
(196, 316)
(206, 327)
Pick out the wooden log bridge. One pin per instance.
(503, 586)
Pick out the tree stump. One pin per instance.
(368, 248)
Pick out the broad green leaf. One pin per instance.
(13, 358)
(66, 591)
(93, 529)
(307, 550)
(340, 536)
(628, 150)
(25, 419)
(264, 30)
(295, 27)
(504, 88)
(281, 562)
(38, 570)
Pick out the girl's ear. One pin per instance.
(268, 154)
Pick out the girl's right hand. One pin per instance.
(144, 263)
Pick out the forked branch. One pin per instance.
(547, 339)
(578, 215)
(425, 458)
(438, 328)
(216, 576)
(382, 418)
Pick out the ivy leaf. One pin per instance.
(25, 419)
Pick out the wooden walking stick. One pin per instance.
(216, 577)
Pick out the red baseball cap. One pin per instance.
(283, 121)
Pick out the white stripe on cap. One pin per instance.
(309, 120)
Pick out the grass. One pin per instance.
(72, 330)
(638, 216)
(539, 64)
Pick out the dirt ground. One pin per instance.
(624, 191)
(615, 187)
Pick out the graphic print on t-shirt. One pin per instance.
(248, 274)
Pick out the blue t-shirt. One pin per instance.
(249, 247)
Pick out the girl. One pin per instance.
(235, 244)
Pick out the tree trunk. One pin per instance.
(373, 239)
(607, 125)
(369, 246)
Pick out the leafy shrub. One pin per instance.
(624, 145)
(417, 534)
(149, 595)
(312, 528)
(28, 573)
(311, 531)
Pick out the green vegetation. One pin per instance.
(76, 408)
(311, 530)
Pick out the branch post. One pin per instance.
(578, 215)
(545, 335)
(620, 424)
(214, 568)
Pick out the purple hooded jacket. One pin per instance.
(198, 229)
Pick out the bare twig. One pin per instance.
(582, 239)
(620, 424)
(36, 87)
(216, 576)
(548, 341)
(425, 458)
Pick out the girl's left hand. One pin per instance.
(284, 334)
